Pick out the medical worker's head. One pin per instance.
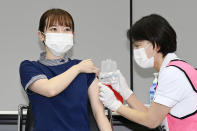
(56, 29)
(152, 35)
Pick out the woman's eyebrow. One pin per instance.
(52, 26)
(136, 43)
(67, 27)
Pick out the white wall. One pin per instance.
(182, 16)
(100, 33)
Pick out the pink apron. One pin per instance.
(188, 122)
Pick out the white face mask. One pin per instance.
(59, 43)
(141, 58)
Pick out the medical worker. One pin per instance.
(155, 42)
(59, 87)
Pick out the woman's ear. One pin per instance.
(41, 36)
(157, 48)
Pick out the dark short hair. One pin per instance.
(157, 30)
(55, 16)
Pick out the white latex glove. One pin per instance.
(108, 98)
(121, 86)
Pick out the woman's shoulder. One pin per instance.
(172, 73)
(28, 63)
(75, 61)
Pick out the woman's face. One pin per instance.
(145, 44)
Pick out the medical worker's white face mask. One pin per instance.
(141, 58)
(59, 43)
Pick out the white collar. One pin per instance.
(167, 59)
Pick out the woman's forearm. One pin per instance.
(136, 116)
(134, 103)
(57, 84)
(61, 82)
(151, 118)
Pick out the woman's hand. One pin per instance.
(87, 66)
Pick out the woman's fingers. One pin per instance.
(87, 66)
(95, 70)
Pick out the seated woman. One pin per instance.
(58, 87)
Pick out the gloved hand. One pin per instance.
(121, 86)
(108, 98)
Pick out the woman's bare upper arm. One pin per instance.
(93, 92)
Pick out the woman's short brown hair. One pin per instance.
(55, 16)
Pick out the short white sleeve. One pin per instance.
(171, 86)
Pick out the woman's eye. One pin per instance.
(136, 46)
(67, 29)
(53, 29)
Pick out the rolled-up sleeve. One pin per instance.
(29, 73)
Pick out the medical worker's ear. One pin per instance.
(41, 36)
(156, 47)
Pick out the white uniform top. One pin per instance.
(174, 90)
